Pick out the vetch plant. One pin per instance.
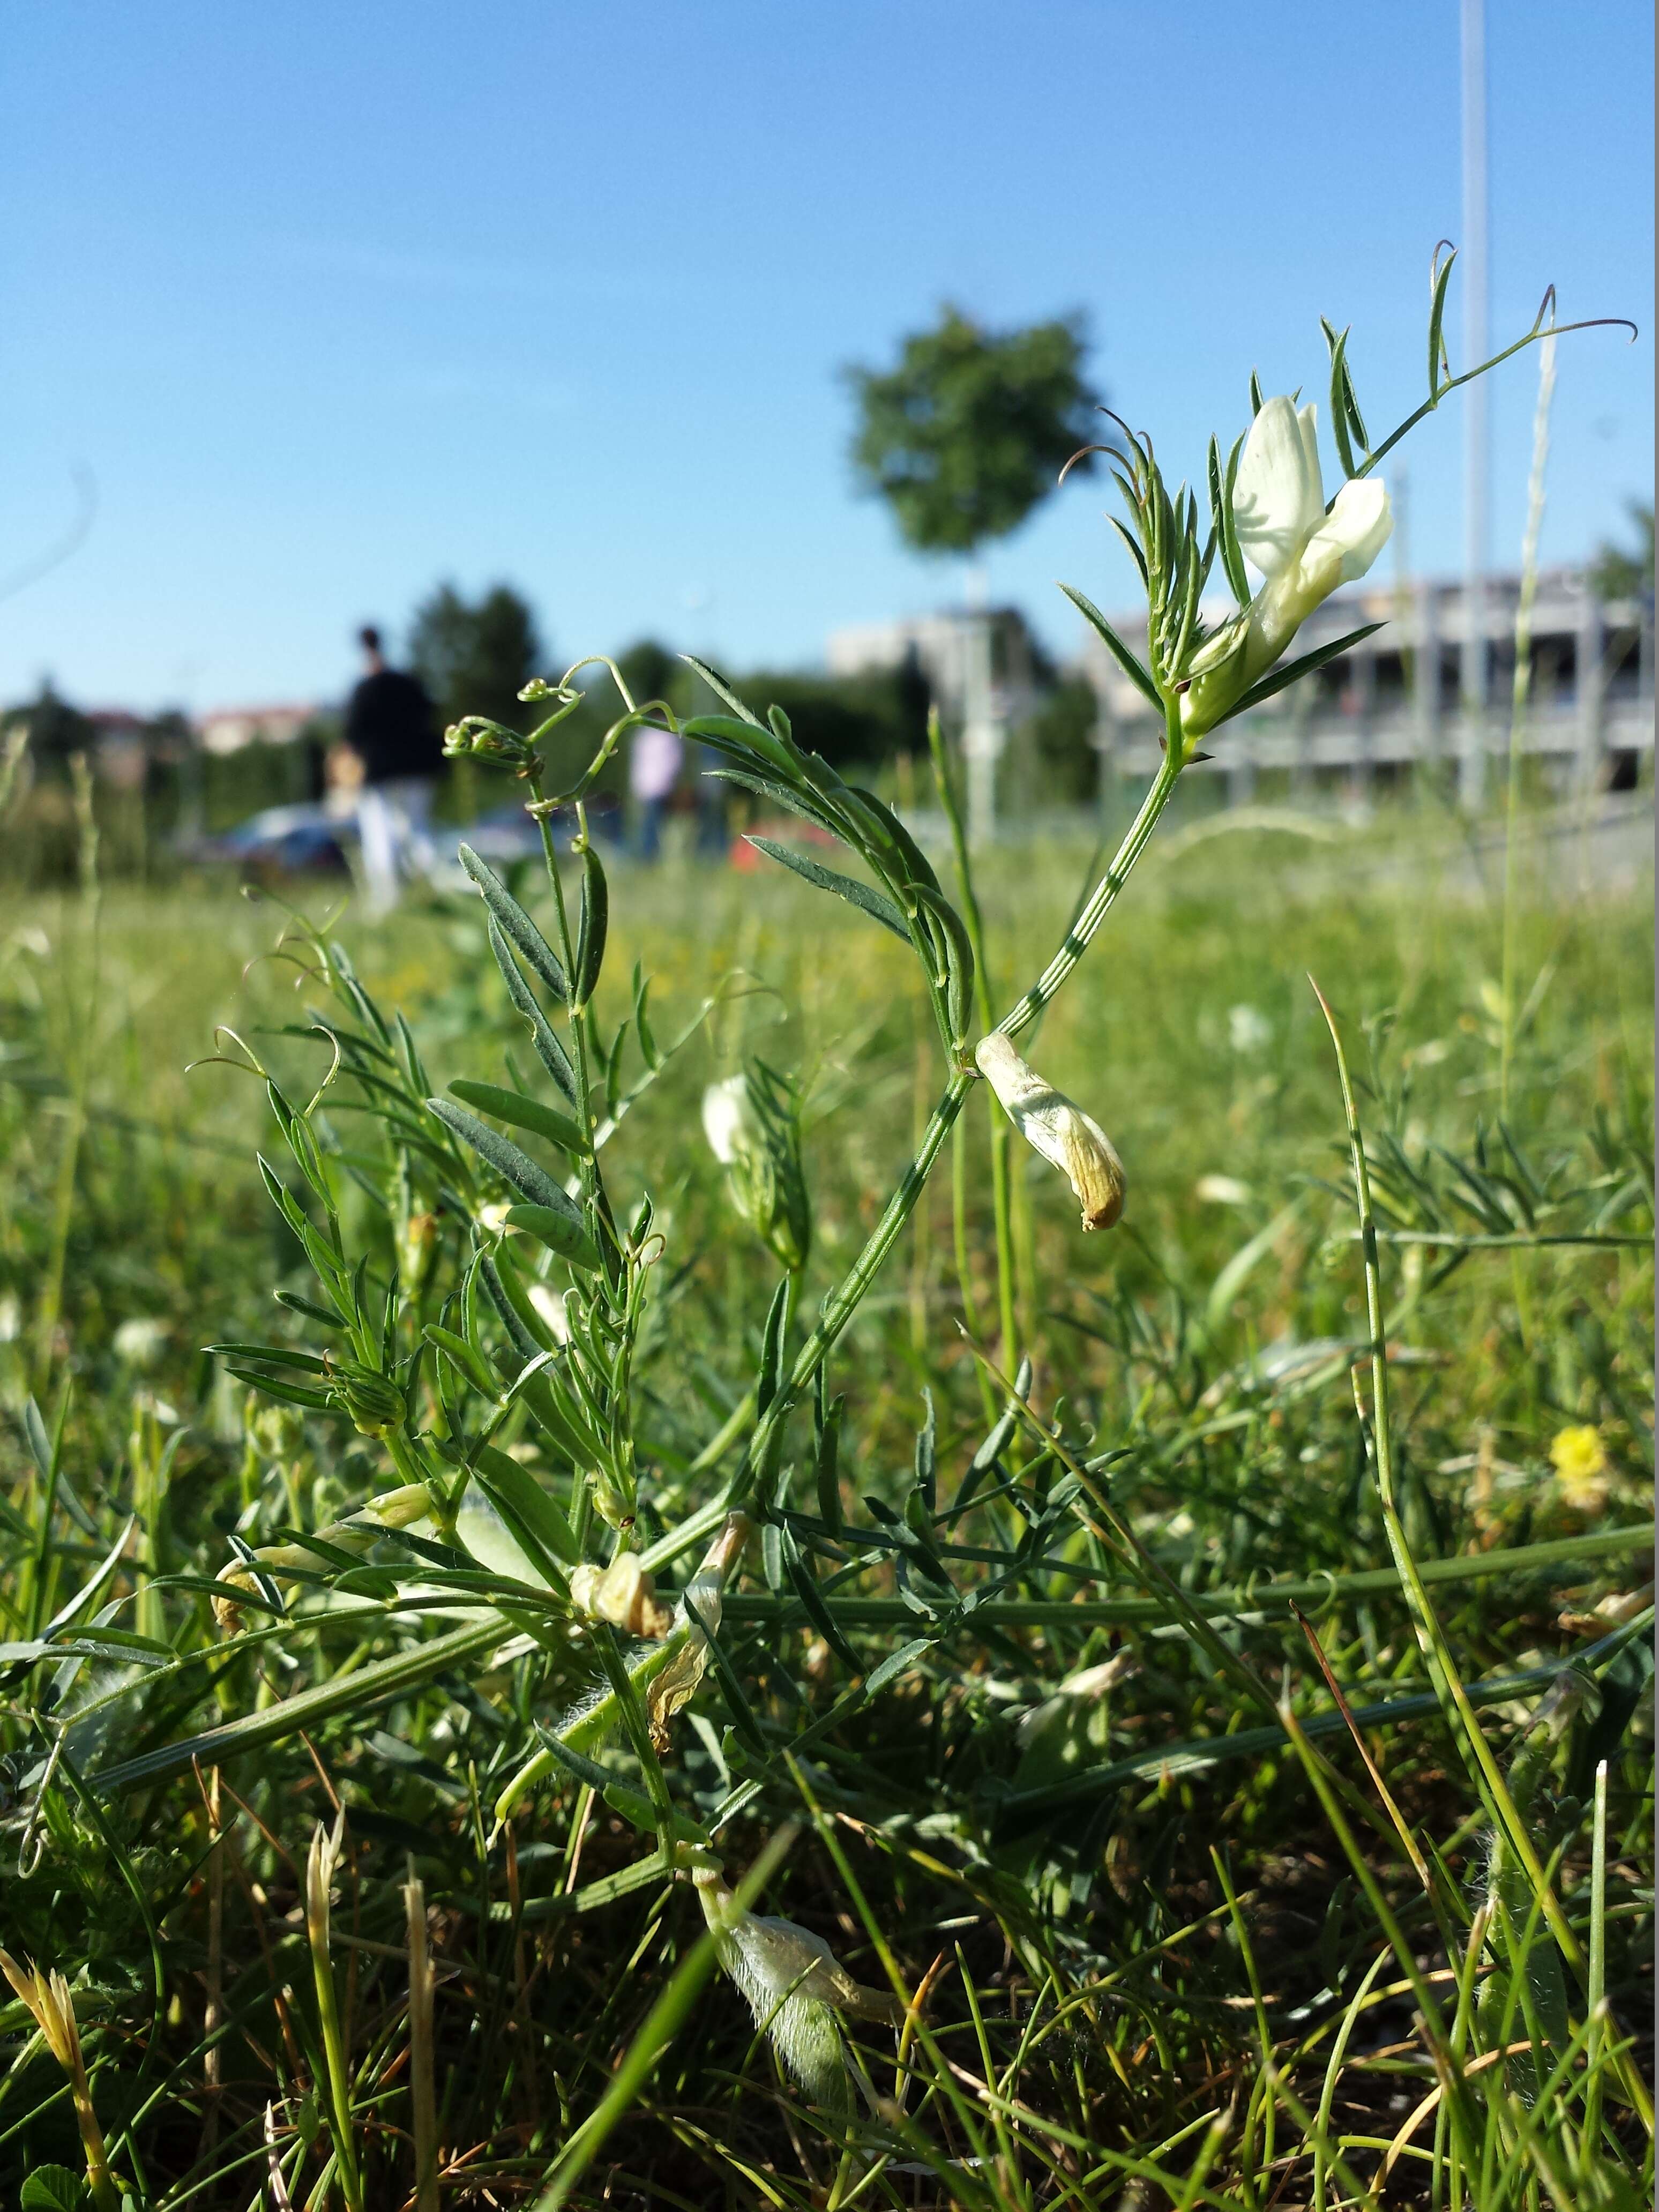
(486, 1333)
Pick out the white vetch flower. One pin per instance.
(1302, 552)
(1222, 1190)
(624, 1594)
(1061, 1132)
(141, 1341)
(549, 1305)
(728, 1119)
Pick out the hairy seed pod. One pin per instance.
(1061, 1132)
(795, 1986)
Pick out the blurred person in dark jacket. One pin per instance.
(392, 729)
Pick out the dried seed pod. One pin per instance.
(1061, 1132)
(47, 1995)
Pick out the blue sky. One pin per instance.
(335, 302)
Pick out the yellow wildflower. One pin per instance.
(1581, 1468)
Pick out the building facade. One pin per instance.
(1428, 691)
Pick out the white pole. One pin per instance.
(982, 733)
(1474, 672)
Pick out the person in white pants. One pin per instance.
(390, 727)
(393, 838)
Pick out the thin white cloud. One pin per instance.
(466, 387)
(399, 268)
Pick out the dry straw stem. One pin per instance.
(49, 2003)
(327, 1846)
(422, 2093)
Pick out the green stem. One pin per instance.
(974, 920)
(964, 1260)
(1104, 895)
(845, 1302)
(1274, 1597)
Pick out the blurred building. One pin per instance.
(945, 647)
(1395, 703)
(227, 729)
(121, 745)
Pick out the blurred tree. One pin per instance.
(652, 670)
(967, 433)
(1062, 736)
(1620, 572)
(56, 729)
(855, 721)
(476, 659)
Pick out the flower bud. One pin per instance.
(393, 1509)
(475, 736)
(374, 1402)
(1062, 1132)
(47, 1998)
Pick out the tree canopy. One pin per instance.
(1625, 572)
(968, 432)
(476, 657)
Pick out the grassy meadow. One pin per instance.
(1199, 1901)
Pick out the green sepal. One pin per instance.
(1129, 662)
(1279, 680)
